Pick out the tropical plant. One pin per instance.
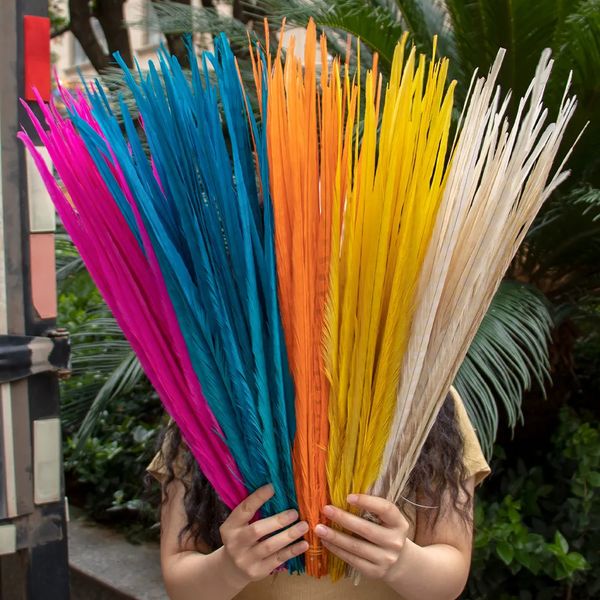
(536, 521)
(104, 366)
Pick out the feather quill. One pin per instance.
(204, 228)
(394, 190)
(196, 200)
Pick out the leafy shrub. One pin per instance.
(537, 527)
(106, 477)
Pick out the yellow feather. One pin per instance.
(394, 185)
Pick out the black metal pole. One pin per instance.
(32, 506)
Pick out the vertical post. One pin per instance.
(33, 540)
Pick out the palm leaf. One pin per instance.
(562, 250)
(522, 27)
(121, 381)
(98, 351)
(176, 18)
(374, 22)
(509, 352)
(577, 46)
(98, 346)
(68, 261)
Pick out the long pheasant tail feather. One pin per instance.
(398, 159)
(302, 282)
(303, 147)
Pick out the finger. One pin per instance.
(275, 543)
(259, 529)
(367, 529)
(362, 565)
(354, 545)
(387, 511)
(283, 555)
(242, 514)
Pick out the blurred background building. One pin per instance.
(69, 55)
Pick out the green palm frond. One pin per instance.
(577, 50)
(577, 44)
(561, 252)
(589, 199)
(113, 81)
(522, 27)
(121, 381)
(508, 353)
(175, 18)
(422, 19)
(103, 365)
(99, 350)
(68, 261)
(379, 24)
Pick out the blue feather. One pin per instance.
(214, 241)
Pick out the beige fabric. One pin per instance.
(298, 587)
(473, 458)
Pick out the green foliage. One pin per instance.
(56, 14)
(561, 254)
(109, 411)
(536, 527)
(507, 538)
(374, 23)
(106, 478)
(103, 364)
(121, 382)
(509, 350)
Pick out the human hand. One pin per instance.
(378, 548)
(248, 555)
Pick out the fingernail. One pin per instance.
(291, 515)
(303, 527)
(303, 547)
(270, 488)
(328, 510)
(321, 530)
(352, 498)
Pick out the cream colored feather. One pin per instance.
(497, 182)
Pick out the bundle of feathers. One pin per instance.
(300, 277)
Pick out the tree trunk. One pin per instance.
(175, 42)
(177, 48)
(111, 15)
(81, 26)
(238, 11)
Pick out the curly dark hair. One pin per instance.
(439, 470)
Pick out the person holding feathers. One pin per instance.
(419, 549)
(301, 284)
(382, 280)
